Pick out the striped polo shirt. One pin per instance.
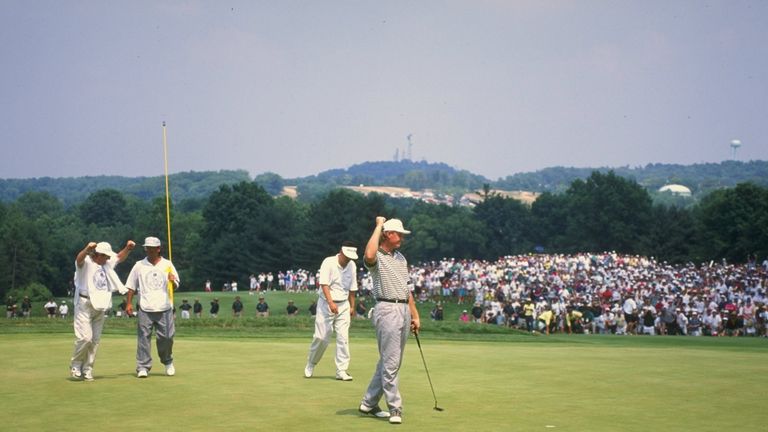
(391, 279)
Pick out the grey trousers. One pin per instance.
(392, 322)
(165, 329)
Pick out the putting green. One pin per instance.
(567, 384)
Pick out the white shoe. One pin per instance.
(343, 376)
(142, 373)
(75, 373)
(88, 375)
(375, 411)
(309, 369)
(395, 416)
(170, 370)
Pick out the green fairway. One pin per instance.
(576, 384)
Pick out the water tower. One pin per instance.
(735, 144)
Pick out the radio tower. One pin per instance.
(409, 155)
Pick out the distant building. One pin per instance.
(676, 189)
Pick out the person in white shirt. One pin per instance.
(63, 310)
(154, 278)
(630, 314)
(336, 306)
(50, 308)
(253, 284)
(95, 280)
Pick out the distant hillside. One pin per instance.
(405, 173)
(700, 178)
(72, 190)
(421, 176)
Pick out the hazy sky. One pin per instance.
(495, 87)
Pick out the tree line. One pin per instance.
(241, 229)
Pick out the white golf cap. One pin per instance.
(151, 242)
(105, 249)
(349, 252)
(395, 225)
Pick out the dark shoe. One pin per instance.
(395, 416)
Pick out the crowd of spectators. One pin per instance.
(581, 293)
(601, 293)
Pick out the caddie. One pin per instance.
(95, 281)
(152, 279)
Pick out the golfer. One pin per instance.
(394, 314)
(152, 278)
(338, 285)
(95, 280)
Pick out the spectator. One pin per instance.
(237, 307)
(464, 317)
(291, 309)
(477, 313)
(573, 320)
(121, 309)
(262, 308)
(197, 309)
(214, 311)
(437, 313)
(51, 307)
(545, 319)
(681, 322)
(253, 284)
(361, 311)
(63, 309)
(694, 324)
(26, 307)
(649, 321)
(185, 308)
(10, 307)
(528, 314)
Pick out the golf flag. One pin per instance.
(168, 211)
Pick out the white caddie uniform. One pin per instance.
(94, 285)
(340, 281)
(155, 312)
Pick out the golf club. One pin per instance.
(418, 342)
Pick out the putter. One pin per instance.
(418, 342)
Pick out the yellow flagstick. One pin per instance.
(167, 209)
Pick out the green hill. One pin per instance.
(440, 177)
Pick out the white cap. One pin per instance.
(349, 252)
(151, 242)
(395, 225)
(105, 249)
